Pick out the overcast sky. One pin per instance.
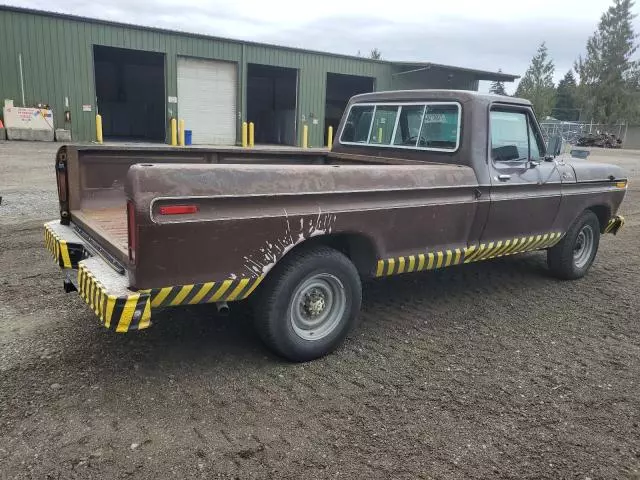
(483, 34)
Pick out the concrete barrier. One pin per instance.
(29, 134)
(63, 135)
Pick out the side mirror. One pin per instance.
(555, 145)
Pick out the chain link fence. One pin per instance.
(597, 133)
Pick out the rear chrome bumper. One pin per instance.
(615, 224)
(102, 288)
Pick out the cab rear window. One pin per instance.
(424, 126)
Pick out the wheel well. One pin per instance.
(603, 213)
(359, 248)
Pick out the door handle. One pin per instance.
(503, 177)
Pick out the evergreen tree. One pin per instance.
(537, 83)
(497, 87)
(566, 99)
(608, 75)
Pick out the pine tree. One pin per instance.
(608, 76)
(497, 87)
(566, 99)
(537, 83)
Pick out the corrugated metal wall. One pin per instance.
(57, 57)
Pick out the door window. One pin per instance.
(513, 138)
(509, 136)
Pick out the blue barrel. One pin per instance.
(187, 137)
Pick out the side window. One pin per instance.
(534, 143)
(409, 125)
(358, 124)
(383, 122)
(434, 126)
(509, 136)
(440, 127)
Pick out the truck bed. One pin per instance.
(97, 175)
(96, 178)
(106, 224)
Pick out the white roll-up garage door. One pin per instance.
(207, 93)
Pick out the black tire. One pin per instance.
(316, 279)
(565, 259)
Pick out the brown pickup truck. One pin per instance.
(416, 180)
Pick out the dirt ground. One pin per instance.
(491, 370)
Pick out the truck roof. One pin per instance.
(428, 94)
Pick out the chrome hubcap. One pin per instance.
(583, 247)
(317, 306)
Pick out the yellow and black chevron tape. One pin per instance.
(615, 224)
(57, 247)
(210, 292)
(133, 311)
(119, 313)
(474, 253)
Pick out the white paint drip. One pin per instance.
(274, 250)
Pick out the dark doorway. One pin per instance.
(272, 93)
(340, 88)
(130, 93)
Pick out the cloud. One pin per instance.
(486, 44)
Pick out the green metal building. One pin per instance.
(138, 78)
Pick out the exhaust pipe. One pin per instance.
(223, 308)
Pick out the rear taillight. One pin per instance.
(132, 231)
(63, 190)
(61, 177)
(178, 209)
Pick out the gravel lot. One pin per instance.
(486, 370)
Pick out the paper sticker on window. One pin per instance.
(435, 118)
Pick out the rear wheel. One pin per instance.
(572, 257)
(308, 303)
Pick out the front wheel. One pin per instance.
(308, 303)
(571, 258)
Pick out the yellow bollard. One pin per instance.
(305, 136)
(181, 132)
(380, 135)
(244, 135)
(174, 132)
(252, 136)
(330, 138)
(99, 128)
